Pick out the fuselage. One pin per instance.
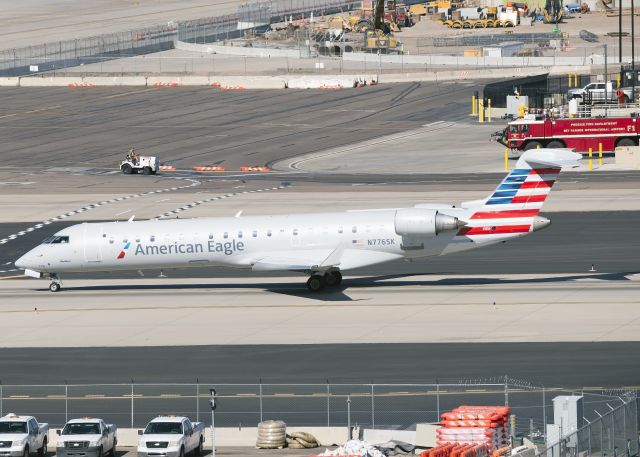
(367, 237)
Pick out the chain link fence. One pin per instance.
(397, 406)
(613, 431)
(252, 17)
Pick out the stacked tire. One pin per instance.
(271, 435)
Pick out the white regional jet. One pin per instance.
(320, 245)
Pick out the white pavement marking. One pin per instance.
(30, 112)
(218, 197)
(91, 206)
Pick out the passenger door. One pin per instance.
(33, 430)
(188, 435)
(93, 240)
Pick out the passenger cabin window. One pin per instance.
(254, 234)
(340, 230)
(152, 238)
(55, 239)
(240, 234)
(210, 236)
(354, 229)
(226, 235)
(268, 232)
(295, 232)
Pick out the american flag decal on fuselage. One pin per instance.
(512, 207)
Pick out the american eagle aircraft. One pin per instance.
(320, 245)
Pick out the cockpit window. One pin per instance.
(56, 239)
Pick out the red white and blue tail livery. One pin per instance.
(513, 208)
(321, 245)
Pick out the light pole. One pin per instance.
(633, 55)
(212, 403)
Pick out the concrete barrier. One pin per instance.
(164, 81)
(115, 80)
(628, 157)
(194, 81)
(242, 51)
(426, 435)
(322, 82)
(248, 82)
(231, 436)
(377, 436)
(58, 81)
(9, 82)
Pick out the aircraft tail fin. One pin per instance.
(512, 209)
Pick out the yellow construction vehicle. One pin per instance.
(376, 40)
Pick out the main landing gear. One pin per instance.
(319, 281)
(56, 283)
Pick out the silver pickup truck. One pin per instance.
(600, 92)
(21, 436)
(87, 437)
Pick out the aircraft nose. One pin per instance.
(24, 262)
(540, 223)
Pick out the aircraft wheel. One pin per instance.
(55, 287)
(315, 283)
(333, 278)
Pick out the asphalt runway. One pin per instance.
(58, 127)
(573, 243)
(568, 365)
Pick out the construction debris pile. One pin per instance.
(353, 448)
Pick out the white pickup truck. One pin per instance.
(87, 437)
(21, 436)
(171, 436)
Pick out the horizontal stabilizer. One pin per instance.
(535, 158)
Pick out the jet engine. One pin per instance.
(417, 222)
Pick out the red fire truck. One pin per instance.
(575, 133)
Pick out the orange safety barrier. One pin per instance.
(500, 452)
(221, 87)
(260, 169)
(81, 85)
(167, 168)
(207, 168)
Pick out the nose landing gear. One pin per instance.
(318, 281)
(56, 283)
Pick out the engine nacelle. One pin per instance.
(417, 222)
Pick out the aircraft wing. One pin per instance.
(312, 259)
